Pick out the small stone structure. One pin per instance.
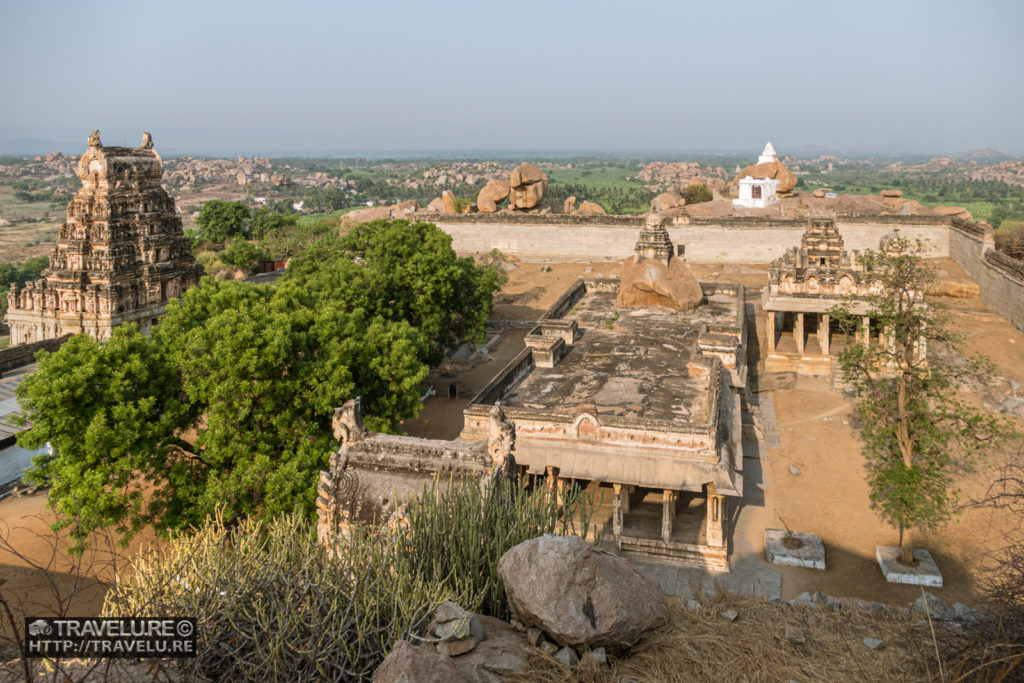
(120, 254)
(756, 193)
(764, 182)
(371, 475)
(803, 286)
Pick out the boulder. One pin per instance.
(436, 204)
(403, 209)
(929, 604)
(528, 185)
(569, 205)
(952, 211)
(503, 654)
(448, 197)
(652, 283)
(819, 193)
(492, 194)
(666, 201)
(589, 208)
(893, 194)
(372, 213)
(407, 663)
(580, 595)
(770, 169)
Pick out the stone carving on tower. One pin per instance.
(120, 255)
(652, 276)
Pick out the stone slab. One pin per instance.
(811, 555)
(926, 573)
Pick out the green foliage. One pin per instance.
(324, 199)
(230, 401)
(695, 193)
(293, 236)
(913, 419)
(487, 526)
(1010, 239)
(273, 604)
(107, 410)
(399, 270)
(242, 254)
(266, 221)
(220, 221)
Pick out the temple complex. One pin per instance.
(803, 286)
(120, 254)
(641, 405)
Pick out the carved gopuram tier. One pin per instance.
(120, 254)
(654, 243)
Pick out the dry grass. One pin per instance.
(702, 646)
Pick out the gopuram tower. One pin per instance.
(120, 254)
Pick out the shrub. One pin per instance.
(242, 254)
(695, 193)
(271, 603)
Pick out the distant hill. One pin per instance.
(984, 154)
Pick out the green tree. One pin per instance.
(914, 422)
(266, 221)
(401, 271)
(220, 221)
(242, 254)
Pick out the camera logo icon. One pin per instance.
(40, 627)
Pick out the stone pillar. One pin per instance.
(798, 332)
(825, 336)
(865, 330)
(668, 500)
(626, 492)
(617, 511)
(716, 512)
(769, 318)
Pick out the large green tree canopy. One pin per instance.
(220, 221)
(229, 403)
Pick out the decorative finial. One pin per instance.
(147, 140)
(94, 139)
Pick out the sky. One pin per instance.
(320, 78)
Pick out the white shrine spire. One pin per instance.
(768, 154)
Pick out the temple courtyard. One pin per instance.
(802, 463)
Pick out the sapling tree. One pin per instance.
(912, 387)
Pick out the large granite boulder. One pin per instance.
(589, 208)
(448, 198)
(667, 200)
(770, 169)
(528, 185)
(436, 204)
(492, 194)
(580, 595)
(373, 213)
(652, 283)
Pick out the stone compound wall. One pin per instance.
(24, 354)
(999, 277)
(535, 237)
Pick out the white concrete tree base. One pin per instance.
(811, 554)
(926, 573)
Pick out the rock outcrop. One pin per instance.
(569, 206)
(448, 197)
(770, 169)
(667, 200)
(436, 204)
(654, 276)
(893, 194)
(589, 208)
(502, 653)
(528, 185)
(492, 194)
(580, 595)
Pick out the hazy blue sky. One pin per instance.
(333, 76)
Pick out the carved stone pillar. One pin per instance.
(626, 492)
(798, 332)
(715, 518)
(769, 318)
(668, 500)
(825, 336)
(865, 323)
(617, 512)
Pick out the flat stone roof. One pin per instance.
(638, 368)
